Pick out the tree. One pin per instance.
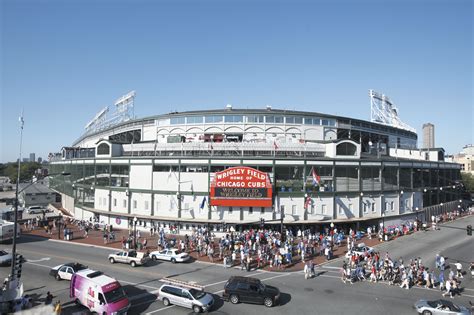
(27, 170)
(468, 181)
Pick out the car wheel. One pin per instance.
(166, 302)
(268, 302)
(112, 260)
(196, 309)
(133, 264)
(58, 277)
(426, 312)
(173, 260)
(234, 299)
(153, 257)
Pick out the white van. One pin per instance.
(36, 210)
(101, 294)
(185, 294)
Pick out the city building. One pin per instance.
(465, 158)
(196, 168)
(428, 136)
(40, 160)
(32, 157)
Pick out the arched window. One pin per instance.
(103, 149)
(346, 148)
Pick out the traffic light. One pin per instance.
(469, 230)
(262, 222)
(18, 265)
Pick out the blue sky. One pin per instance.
(63, 61)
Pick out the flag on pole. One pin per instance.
(307, 202)
(316, 178)
(203, 203)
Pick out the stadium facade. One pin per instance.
(237, 166)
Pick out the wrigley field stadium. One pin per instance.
(236, 168)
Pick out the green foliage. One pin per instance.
(468, 181)
(27, 170)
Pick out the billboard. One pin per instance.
(241, 187)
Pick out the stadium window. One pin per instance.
(374, 208)
(308, 121)
(115, 202)
(323, 209)
(103, 149)
(250, 210)
(262, 210)
(392, 208)
(134, 204)
(325, 122)
(298, 120)
(290, 120)
(269, 119)
(196, 119)
(316, 121)
(230, 210)
(125, 203)
(279, 119)
(177, 121)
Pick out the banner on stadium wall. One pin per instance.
(241, 187)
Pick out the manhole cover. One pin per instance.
(309, 289)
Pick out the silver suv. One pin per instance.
(185, 294)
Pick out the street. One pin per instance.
(324, 294)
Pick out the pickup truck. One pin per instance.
(131, 257)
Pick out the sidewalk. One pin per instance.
(95, 238)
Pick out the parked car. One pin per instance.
(36, 210)
(441, 307)
(172, 254)
(5, 258)
(250, 290)
(131, 257)
(360, 249)
(185, 294)
(65, 271)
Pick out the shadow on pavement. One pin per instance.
(285, 298)
(140, 299)
(30, 239)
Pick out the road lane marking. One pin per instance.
(38, 260)
(87, 262)
(137, 284)
(212, 284)
(161, 309)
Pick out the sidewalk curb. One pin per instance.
(83, 244)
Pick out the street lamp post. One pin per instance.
(135, 232)
(332, 228)
(383, 226)
(59, 227)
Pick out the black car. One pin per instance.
(250, 290)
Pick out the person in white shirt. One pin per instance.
(458, 270)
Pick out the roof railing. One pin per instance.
(184, 284)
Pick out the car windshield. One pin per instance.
(196, 294)
(261, 287)
(114, 295)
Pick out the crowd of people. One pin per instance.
(373, 267)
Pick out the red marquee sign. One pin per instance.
(241, 187)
